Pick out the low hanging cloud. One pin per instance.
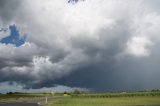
(98, 44)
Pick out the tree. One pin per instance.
(77, 91)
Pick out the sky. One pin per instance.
(99, 45)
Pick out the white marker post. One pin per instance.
(46, 99)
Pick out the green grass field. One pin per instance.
(109, 99)
(115, 101)
(22, 97)
(90, 99)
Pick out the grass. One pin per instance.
(21, 97)
(98, 99)
(109, 99)
(116, 101)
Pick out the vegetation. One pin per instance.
(108, 99)
(115, 101)
(78, 98)
(12, 97)
(122, 94)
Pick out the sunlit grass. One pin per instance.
(115, 101)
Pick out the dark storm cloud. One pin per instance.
(128, 75)
(114, 47)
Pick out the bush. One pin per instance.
(77, 91)
(9, 93)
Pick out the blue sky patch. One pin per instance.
(14, 38)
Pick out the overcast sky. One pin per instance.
(103, 45)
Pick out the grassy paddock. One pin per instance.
(116, 101)
(21, 97)
(108, 99)
(90, 99)
(123, 94)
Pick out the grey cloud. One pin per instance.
(8, 10)
(154, 4)
(75, 45)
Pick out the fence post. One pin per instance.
(46, 99)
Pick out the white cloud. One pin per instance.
(4, 32)
(139, 46)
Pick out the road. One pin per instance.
(19, 104)
(34, 102)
